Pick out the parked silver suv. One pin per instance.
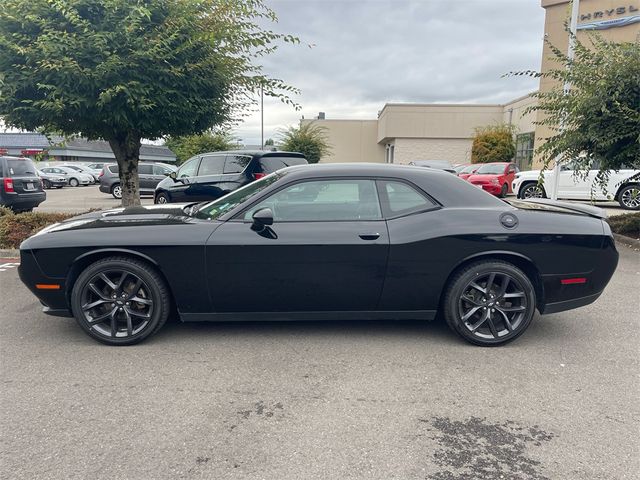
(149, 174)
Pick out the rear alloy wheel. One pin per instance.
(532, 190)
(116, 191)
(73, 182)
(629, 197)
(162, 198)
(490, 303)
(120, 301)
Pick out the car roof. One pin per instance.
(256, 153)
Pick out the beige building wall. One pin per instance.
(515, 113)
(557, 12)
(455, 150)
(351, 140)
(434, 121)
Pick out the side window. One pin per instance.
(211, 165)
(402, 199)
(189, 169)
(145, 169)
(236, 163)
(160, 170)
(323, 201)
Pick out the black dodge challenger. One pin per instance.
(338, 241)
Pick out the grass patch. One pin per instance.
(16, 227)
(626, 224)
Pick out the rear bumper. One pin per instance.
(105, 188)
(569, 304)
(23, 200)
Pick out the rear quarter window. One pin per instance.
(272, 164)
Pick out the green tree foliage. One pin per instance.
(187, 146)
(123, 70)
(494, 143)
(309, 139)
(600, 112)
(269, 142)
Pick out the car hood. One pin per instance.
(528, 174)
(171, 214)
(483, 177)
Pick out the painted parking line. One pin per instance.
(7, 266)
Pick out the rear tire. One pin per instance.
(489, 303)
(120, 301)
(629, 197)
(116, 191)
(73, 182)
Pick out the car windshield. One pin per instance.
(224, 204)
(468, 169)
(491, 169)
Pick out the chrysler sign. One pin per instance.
(609, 18)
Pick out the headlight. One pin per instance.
(495, 181)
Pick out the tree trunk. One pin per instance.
(126, 148)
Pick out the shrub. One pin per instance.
(17, 227)
(626, 224)
(493, 144)
(309, 139)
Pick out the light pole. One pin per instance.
(575, 7)
(261, 117)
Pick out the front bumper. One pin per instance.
(489, 187)
(53, 300)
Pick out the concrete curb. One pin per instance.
(627, 241)
(9, 253)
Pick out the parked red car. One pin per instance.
(467, 171)
(494, 178)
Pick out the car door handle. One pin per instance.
(369, 236)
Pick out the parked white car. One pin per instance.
(73, 177)
(626, 192)
(82, 169)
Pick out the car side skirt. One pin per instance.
(308, 316)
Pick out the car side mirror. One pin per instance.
(261, 219)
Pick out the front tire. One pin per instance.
(629, 197)
(489, 303)
(73, 182)
(162, 198)
(504, 191)
(116, 191)
(120, 301)
(531, 190)
(46, 184)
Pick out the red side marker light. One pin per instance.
(47, 286)
(258, 176)
(573, 281)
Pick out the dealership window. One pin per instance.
(524, 150)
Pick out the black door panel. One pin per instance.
(297, 266)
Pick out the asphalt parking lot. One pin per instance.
(81, 199)
(323, 400)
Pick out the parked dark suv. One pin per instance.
(211, 175)
(20, 185)
(149, 175)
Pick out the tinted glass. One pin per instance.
(402, 198)
(189, 169)
(211, 165)
(160, 170)
(469, 169)
(19, 168)
(324, 200)
(145, 169)
(230, 201)
(73, 167)
(236, 163)
(271, 164)
(113, 168)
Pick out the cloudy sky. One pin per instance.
(369, 52)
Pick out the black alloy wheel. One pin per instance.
(532, 190)
(629, 197)
(490, 303)
(162, 198)
(120, 301)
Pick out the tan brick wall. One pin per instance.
(456, 150)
